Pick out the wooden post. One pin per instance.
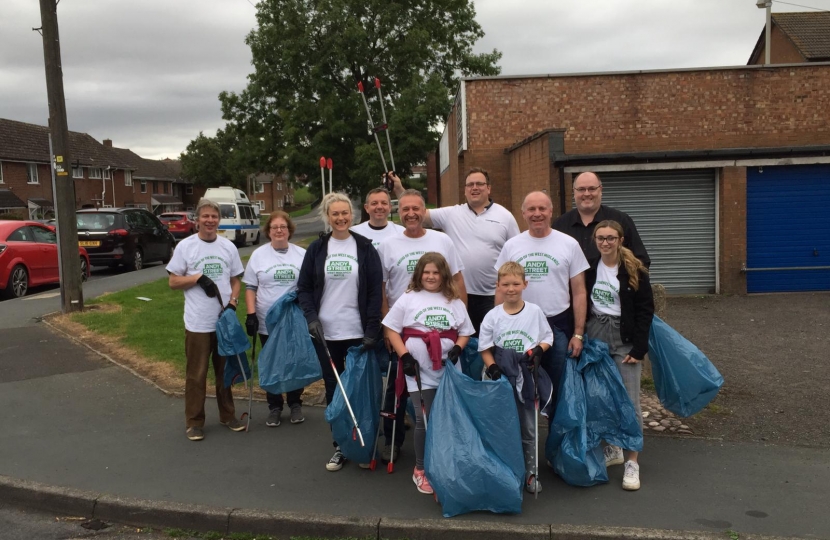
(72, 297)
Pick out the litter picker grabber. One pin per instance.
(329, 166)
(536, 433)
(247, 415)
(374, 462)
(421, 394)
(382, 127)
(323, 175)
(399, 384)
(356, 434)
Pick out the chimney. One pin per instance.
(108, 143)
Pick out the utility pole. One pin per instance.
(72, 294)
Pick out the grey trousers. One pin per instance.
(607, 329)
(420, 425)
(527, 428)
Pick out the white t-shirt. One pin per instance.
(520, 331)
(378, 235)
(424, 311)
(339, 312)
(400, 254)
(549, 264)
(479, 240)
(606, 293)
(219, 260)
(273, 274)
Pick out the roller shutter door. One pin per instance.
(788, 226)
(675, 215)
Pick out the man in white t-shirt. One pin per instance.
(378, 228)
(478, 228)
(207, 268)
(398, 257)
(554, 267)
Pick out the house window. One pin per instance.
(128, 178)
(77, 172)
(107, 174)
(144, 186)
(1, 172)
(261, 205)
(95, 173)
(188, 190)
(31, 173)
(260, 188)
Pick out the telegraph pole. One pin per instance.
(72, 294)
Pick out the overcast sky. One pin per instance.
(147, 73)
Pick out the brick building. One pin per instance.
(271, 192)
(726, 171)
(795, 38)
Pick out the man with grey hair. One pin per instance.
(554, 267)
(207, 268)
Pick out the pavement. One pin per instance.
(84, 437)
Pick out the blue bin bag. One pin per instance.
(610, 415)
(471, 363)
(362, 382)
(232, 344)
(685, 380)
(567, 445)
(288, 360)
(473, 456)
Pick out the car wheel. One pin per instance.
(256, 242)
(18, 282)
(137, 262)
(84, 270)
(169, 255)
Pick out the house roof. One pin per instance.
(20, 141)
(10, 200)
(161, 198)
(43, 203)
(808, 31)
(151, 169)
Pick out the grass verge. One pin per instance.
(300, 212)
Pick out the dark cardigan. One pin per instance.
(369, 282)
(637, 308)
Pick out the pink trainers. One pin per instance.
(421, 482)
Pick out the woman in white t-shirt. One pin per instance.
(430, 306)
(339, 290)
(272, 271)
(621, 307)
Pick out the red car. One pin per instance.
(180, 224)
(29, 257)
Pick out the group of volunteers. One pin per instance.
(426, 293)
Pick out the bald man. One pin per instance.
(580, 222)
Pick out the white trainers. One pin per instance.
(631, 478)
(613, 455)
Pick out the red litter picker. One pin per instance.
(382, 127)
(323, 175)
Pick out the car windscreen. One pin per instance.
(167, 218)
(227, 211)
(97, 221)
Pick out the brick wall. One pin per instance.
(732, 231)
(15, 179)
(450, 182)
(530, 170)
(432, 178)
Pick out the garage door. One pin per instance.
(675, 214)
(788, 228)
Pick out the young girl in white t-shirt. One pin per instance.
(426, 326)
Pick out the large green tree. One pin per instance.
(302, 102)
(216, 161)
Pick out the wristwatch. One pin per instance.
(236, 301)
(579, 337)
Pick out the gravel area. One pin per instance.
(774, 353)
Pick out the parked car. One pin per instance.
(29, 257)
(180, 224)
(128, 236)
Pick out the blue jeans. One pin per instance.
(553, 362)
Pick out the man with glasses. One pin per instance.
(478, 229)
(580, 222)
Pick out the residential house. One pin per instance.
(795, 38)
(271, 192)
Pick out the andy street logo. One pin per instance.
(285, 275)
(338, 269)
(441, 322)
(536, 268)
(515, 344)
(212, 270)
(410, 265)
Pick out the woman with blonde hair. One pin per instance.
(620, 310)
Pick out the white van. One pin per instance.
(238, 222)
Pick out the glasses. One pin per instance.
(609, 239)
(475, 184)
(279, 228)
(591, 189)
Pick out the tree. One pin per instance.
(215, 161)
(302, 101)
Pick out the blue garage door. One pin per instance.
(788, 228)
